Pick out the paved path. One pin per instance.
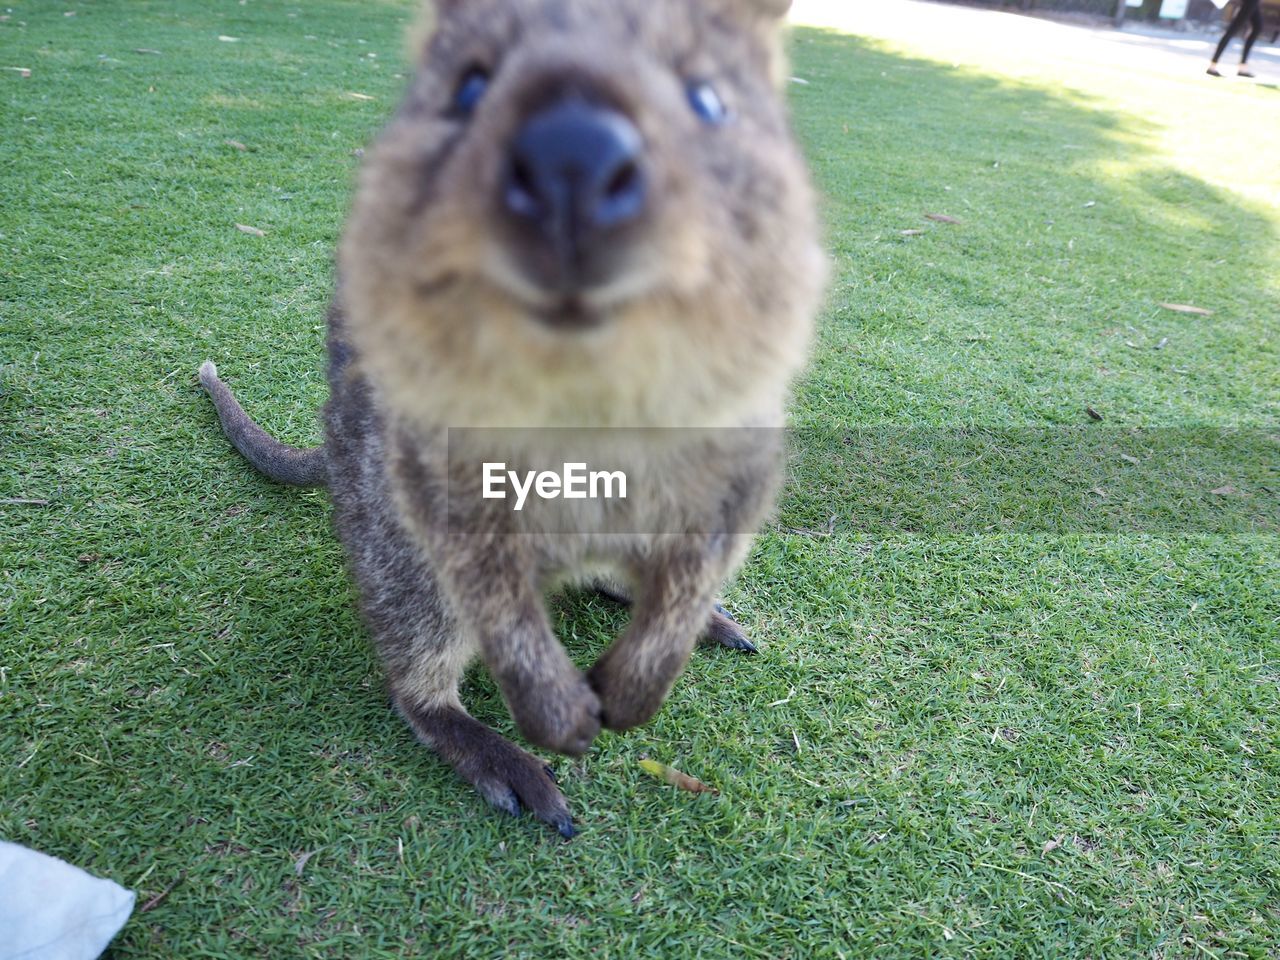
(976, 35)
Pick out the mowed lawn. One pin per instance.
(957, 740)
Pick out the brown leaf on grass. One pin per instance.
(940, 218)
(1051, 845)
(805, 532)
(1226, 490)
(1127, 458)
(235, 143)
(1093, 414)
(674, 777)
(159, 898)
(1187, 308)
(252, 231)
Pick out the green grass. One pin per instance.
(1049, 741)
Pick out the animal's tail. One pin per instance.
(279, 461)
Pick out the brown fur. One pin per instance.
(436, 327)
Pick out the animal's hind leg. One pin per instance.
(424, 654)
(727, 632)
(502, 773)
(721, 628)
(422, 649)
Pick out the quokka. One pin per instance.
(587, 216)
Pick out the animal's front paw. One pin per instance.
(563, 716)
(626, 700)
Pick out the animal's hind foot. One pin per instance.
(506, 776)
(520, 781)
(727, 632)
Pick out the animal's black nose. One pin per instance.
(574, 172)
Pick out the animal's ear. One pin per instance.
(766, 18)
(424, 25)
(765, 12)
(777, 9)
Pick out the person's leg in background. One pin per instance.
(1255, 28)
(1249, 10)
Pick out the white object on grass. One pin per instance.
(50, 910)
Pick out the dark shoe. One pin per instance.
(1243, 71)
(1213, 71)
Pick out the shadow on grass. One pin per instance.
(1044, 298)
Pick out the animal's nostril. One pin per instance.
(625, 181)
(623, 196)
(522, 194)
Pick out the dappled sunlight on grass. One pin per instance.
(1218, 133)
(1073, 231)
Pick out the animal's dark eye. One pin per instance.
(706, 103)
(471, 90)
